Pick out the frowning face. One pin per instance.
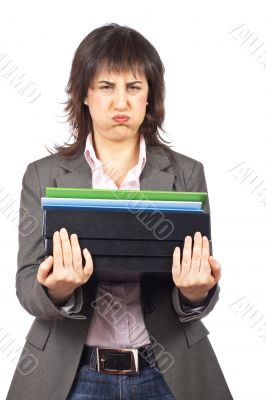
(117, 104)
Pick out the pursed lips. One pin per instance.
(121, 118)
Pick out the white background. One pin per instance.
(215, 112)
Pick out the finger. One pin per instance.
(196, 256)
(57, 251)
(76, 253)
(186, 257)
(205, 266)
(66, 249)
(88, 268)
(176, 267)
(215, 269)
(44, 269)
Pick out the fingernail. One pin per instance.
(198, 234)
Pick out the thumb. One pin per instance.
(176, 268)
(88, 268)
(44, 269)
(216, 268)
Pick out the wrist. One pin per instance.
(192, 299)
(59, 298)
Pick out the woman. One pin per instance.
(116, 108)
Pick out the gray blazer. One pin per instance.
(49, 360)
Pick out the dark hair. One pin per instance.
(117, 49)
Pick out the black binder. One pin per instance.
(127, 245)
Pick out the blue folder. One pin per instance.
(111, 204)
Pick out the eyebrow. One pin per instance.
(111, 83)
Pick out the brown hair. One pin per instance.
(117, 48)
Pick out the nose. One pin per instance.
(120, 99)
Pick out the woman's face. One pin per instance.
(117, 95)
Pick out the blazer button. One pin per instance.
(148, 308)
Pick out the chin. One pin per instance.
(122, 133)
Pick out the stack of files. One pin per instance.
(131, 234)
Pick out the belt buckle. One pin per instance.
(134, 370)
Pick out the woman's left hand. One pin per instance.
(198, 272)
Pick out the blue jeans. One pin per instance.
(93, 385)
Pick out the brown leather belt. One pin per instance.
(118, 361)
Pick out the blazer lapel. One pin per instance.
(77, 173)
(155, 175)
(74, 173)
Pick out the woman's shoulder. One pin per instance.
(56, 160)
(177, 159)
(47, 160)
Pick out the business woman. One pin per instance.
(105, 340)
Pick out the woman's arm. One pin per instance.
(32, 295)
(187, 309)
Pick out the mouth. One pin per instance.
(121, 118)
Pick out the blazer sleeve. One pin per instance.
(196, 182)
(32, 295)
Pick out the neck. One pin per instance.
(125, 152)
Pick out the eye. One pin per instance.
(105, 87)
(133, 90)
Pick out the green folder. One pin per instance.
(86, 193)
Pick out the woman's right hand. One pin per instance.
(63, 272)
